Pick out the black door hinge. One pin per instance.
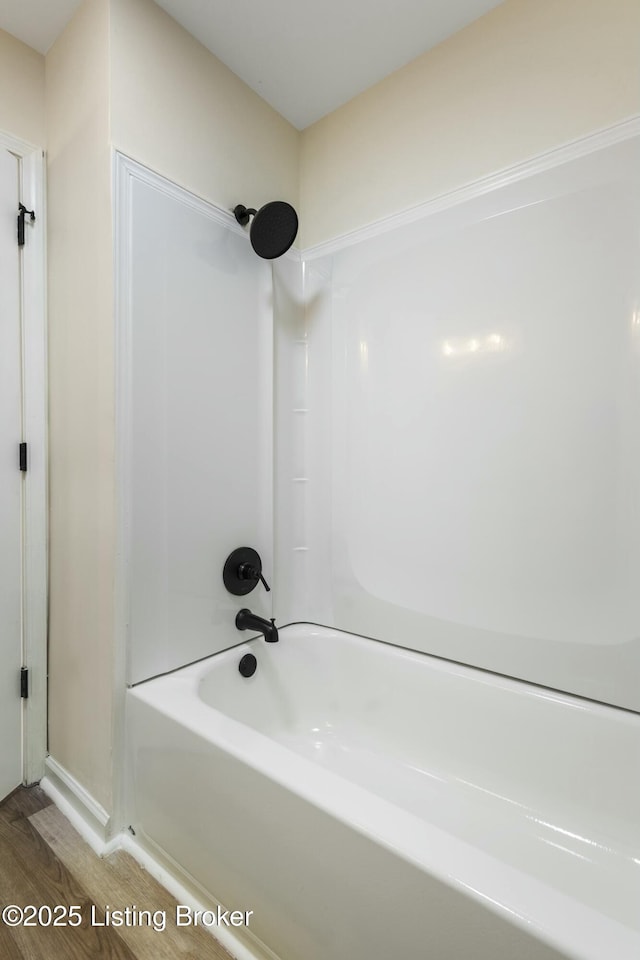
(24, 683)
(22, 210)
(23, 457)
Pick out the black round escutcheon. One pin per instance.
(248, 665)
(239, 563)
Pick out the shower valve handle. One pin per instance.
(246, 571)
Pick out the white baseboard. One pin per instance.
(84, 813)
(92, 822)
(187, 891)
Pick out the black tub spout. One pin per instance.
(245, 620)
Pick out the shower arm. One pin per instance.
(242, 214)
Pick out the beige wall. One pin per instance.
(21, 91)
(81, 400)
(528, 76)
(179, 110)
(122, 73)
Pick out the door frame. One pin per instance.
(34, 432)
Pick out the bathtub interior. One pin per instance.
(553, 792)
(324, 694)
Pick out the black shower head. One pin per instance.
(273, 229)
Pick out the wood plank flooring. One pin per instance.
(44, 861)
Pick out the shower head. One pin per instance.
(273, 229)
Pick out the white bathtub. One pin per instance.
(368, 802)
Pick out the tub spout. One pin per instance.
(245, 620)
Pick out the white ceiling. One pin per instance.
(305, 58)
(36, 22)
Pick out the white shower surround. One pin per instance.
(462, 429)
(366, 801)
(194, 420)
(460, 472)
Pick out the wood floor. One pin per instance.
(43, 861)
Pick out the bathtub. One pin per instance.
(368, 802)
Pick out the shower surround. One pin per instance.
(457, 459)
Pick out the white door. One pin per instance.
(10, 481)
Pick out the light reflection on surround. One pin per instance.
(463, 347)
